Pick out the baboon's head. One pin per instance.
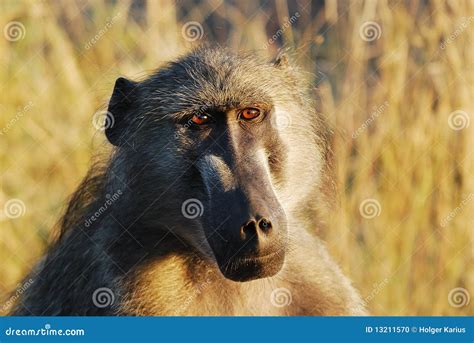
(209, 154)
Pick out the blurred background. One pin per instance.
(394, 78)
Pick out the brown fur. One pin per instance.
(316, 285)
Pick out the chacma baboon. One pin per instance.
(208, 205)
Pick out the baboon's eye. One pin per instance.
(249, 113)
(200, 118)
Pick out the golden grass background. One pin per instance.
(403, 85)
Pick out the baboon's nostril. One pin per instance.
(252, 228)
(248, 229)
(264, 224)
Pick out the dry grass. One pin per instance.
(405, 261)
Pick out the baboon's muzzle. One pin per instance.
(245, 225)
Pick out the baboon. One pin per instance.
(209, 204)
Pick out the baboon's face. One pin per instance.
(212, 122)
(235, 150)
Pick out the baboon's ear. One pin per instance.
(121, 103)
(281, 61)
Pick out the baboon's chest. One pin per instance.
(167, 288)
(233, 299)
